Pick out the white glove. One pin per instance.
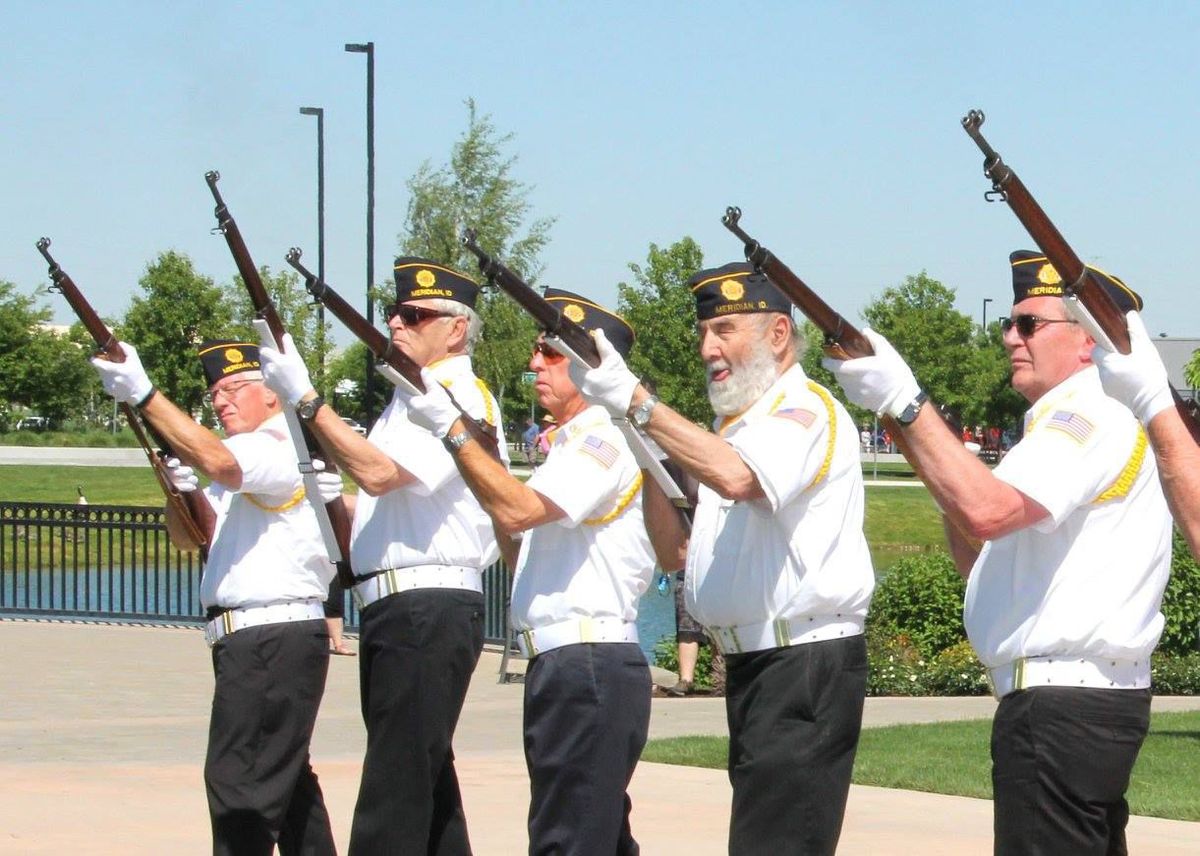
(182, 476)
(611, 383)
(329, 485)
(432, 410)
(1137, 379)
(883, 383)
(127, 382)
(284, 371)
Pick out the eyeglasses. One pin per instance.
(227, 392)
(548, 353)
(411, 316)
(1027, 325)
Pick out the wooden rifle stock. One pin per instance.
(1079, 282)
(192, 508)
(381, 346)
(264, 308)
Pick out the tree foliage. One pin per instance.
(660, 307)
(476, 189)
(177, 310)
(1191, 371)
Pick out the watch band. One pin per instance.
(909, 414)
(456, 441)
(641, 414)
(307, 410)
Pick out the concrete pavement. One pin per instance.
(103, 728)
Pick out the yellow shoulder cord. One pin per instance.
(1124, 481)
(296, 499)
(622, 503)
(489, 415)
(831, 413)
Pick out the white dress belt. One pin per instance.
(234, 620)
(784, 632)
(1066, 671)
(539, 640)
(396, 580)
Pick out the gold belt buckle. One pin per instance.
(530, 648)
(227, 622)
(1018, 667)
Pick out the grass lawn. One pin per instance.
(953, 758)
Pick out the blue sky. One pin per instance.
(834, 126)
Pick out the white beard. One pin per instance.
(746, 384)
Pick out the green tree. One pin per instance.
(660, 307)
(477, 189)
(1191, 371)
(178, 309)
(298, 313)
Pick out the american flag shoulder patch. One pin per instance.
(1071, 424)
(797, 414)
(603, 452)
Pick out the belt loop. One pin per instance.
(587, 632)
(783, 636)
(390, 581)
(227, 621)
(1019, 673)
(527, 635)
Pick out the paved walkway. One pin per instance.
(102, 734)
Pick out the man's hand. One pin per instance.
(284, 371)
(432, 410)
(1137, 379)
(883, 383)
(329, 485)
(611, 383)
(181, 476)
(127, 382)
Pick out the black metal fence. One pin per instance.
(116, 562)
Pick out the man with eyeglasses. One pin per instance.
(265, 578)
(1139, 381)
(778, 569)
(419, 544)
(1066, 550)
(585, 559)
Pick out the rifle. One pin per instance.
(391, 362)
(568, 338)
(332, 518)
(1085, 298)
(191, 508)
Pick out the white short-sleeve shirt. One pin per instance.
(266, 546)
(1088, 580)
(596, 561)
(800, 550)
(435, 519)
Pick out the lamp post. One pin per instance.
(986, 301)
(319, 112)
(369, 50)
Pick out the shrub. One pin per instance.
(707, 676)
(957, 671)
(1181, 602)
(920, 597)
(895, 666)
(1175, 675)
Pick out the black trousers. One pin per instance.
(587, 712)
(261, 786)
(1061, 760)
(417, 651)
(794, 718)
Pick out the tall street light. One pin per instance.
(319, 112)
(369, 50)
(986, 301)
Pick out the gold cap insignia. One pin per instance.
(233, 355)
(1048, 275)
(425, 278)
(731, 289)
(574, 312)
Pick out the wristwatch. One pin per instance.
(909, 414)
(641, 414)
(457, 441)
(307, 410)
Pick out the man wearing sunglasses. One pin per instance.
(419, 544)
(264, 582)
(585, 559)
(778, 569)
(1139, 381)
(1066, 550)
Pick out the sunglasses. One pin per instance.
(227, 392)
(411, 316)
(1027, 325)
(548, 353)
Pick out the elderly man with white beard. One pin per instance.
(778, 569)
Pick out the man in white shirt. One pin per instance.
(419, 545)
(265, 578)
(778, 569)
(1066, 550)
(585, 559)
